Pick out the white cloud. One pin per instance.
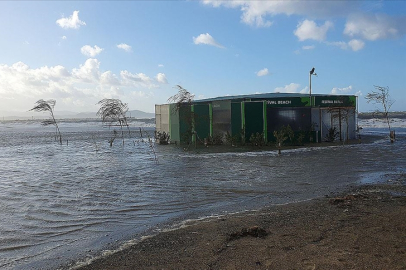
(128, 78)
(341, 44)
(341, 91)
(374, 27)
(263, 72)
(88, 72)
(206, 39)
(255, 12)
(124, 47)
(161, 78)
(72, 21)
(310, 47)
(358, 93)
(108, 78)
(64, 37)
(356, 44)
(84, 85)
(309, 30)
(91, 51)
(290, 88)
(160, 65)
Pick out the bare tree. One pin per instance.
(346, 114)
(113, 111)
(381, 96)
(48, 106)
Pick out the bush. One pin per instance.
(162, 137)
(332, 134)
(257, 139)
(216, 139)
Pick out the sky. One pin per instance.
(80, 52)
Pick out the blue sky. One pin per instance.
(81, 52)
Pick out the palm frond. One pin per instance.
(112, 110)
(48, 122)
(48, 106)
(44, 105)
(183, 96)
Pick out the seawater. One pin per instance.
(64, 203)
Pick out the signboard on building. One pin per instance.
(334, 101)
(288, 102)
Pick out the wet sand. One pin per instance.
(361, 229)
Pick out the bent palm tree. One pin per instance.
(113, 110)
(48, 106)
(183, 96)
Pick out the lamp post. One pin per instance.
(310, 83)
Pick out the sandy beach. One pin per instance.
(364, 228)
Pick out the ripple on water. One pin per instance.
(58, 200)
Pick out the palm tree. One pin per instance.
(48, 106)
(113, 110)
(183, 96)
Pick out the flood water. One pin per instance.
(65, 203)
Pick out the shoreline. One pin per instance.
(361, 228)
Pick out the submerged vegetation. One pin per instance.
(112, 112)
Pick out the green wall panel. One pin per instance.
(174, 124)
(185, 123)
(236, 126)
(202, 120)
(254, 118)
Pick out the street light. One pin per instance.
(310, 83)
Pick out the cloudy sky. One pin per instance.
(138, 51)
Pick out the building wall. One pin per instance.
(202, 121)
(236, 120)
(330, 118)
(250, 116)
(254, 118)
(221, 117)
(162, 118)
(174, 130)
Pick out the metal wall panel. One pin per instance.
(164, 118)
(331, 119)
(201, 121)
(297, 118)
(236, 121)
(254, 118)
(174, 127)
(185, 123)
(222, 117)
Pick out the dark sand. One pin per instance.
(361, 229)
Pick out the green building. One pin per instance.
(242, 116)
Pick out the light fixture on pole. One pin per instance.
(310, 83)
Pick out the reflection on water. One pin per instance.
(64, 202)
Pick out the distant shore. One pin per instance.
(372, 115)
(363, 228)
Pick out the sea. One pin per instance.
(63, 205)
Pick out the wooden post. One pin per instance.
(392, 136)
